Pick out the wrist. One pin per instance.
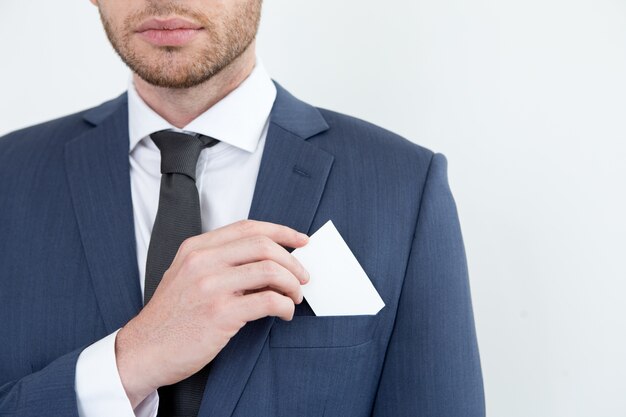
(135, 376)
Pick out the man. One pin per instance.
(131, 281)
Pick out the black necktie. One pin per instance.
(178, 218)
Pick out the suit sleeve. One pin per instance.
(432, 365)
(48, 392)
(82, 383)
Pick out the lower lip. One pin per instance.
(175, 37)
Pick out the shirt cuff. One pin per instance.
(99, 389)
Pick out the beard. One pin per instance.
(184, 66)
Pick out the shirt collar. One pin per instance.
(238, 119)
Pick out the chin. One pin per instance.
(174, 80)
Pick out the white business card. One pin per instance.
(338, 286)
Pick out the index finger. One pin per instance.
(283, 235)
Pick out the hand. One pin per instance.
(217, 282)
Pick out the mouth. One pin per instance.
(168, 32)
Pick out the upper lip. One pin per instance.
(167, 24)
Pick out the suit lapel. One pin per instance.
(291, 180)
(98, 174)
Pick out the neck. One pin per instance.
(180, 106)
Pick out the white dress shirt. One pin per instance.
(226, 177)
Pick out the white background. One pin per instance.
(527, 99)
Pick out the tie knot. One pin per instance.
(180, 151)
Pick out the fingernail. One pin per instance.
(307, 276)
(302, 237)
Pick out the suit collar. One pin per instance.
(115, 107)
(295, 116)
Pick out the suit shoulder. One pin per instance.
(366, 139)
(43, 136)
(46, 131)
(56, 131)
(33, 145)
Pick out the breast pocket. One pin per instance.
(317, 332)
